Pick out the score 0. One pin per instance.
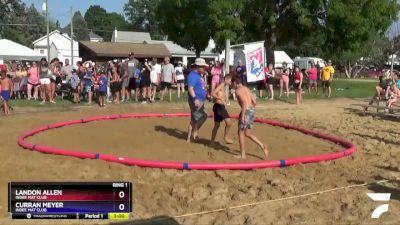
(122, 196)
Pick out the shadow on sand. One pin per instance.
(173, 132)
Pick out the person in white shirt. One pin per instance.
(180, 79)
(155, 77)
(167, 78)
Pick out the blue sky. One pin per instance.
(59, 10)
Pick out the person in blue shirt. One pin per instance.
(197, 97)
(88, 83)
(103, 81)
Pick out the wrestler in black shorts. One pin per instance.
(220, 113)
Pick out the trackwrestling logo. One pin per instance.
(381, 197)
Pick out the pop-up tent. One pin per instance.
(10, 50)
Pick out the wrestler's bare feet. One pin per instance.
(241, 156)
(228, 141)
(266, 152)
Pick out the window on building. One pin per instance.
(42, 51)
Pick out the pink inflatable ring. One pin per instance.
(350, 148)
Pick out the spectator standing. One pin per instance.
(103, 80)
(297, 84)
(313, 77)
(74, 81)
(18, 81)
(167, 78)
(33, 81)
(284, 80)
(44, 74)
(180, 79)
(130, 67)
(115, 83)
(327, 77)
(270, 77)
(145, 82)
(241, 72)
(155, 79)
(6, 89)
(216, 73)
(88, 83)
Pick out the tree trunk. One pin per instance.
(270, 44)
(198, 53)
(356, 72)
(347, 70)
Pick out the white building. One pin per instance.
(177, 52)
(60, 46)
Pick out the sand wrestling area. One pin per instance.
(332, 192)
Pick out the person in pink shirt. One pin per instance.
(216, 73)
(33, 81)
(313, 76)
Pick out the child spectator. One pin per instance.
(88, 82)
(6, 89)
(103, 82)
(75, 81)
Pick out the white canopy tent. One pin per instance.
(10, 50)
(281, 57)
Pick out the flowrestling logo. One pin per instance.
(379, 197)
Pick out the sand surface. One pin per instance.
(165, 139)
(168, 193)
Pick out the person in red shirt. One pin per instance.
(313, 76)
(298, 82)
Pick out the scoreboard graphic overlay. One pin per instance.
(70, 200)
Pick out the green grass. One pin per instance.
(349, 88)
(341, 88)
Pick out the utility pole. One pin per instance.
(72, 40)
(227, 55)
(48, 29)
(391, 65)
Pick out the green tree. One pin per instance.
(281, 22)
(22, 24)
(141, 15)
(39, 29)
(225, 21)
(354, 28)
(81, 31)
(186, 22)
(103, 23)
(12, 14)
(191, 23)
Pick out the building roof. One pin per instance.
(122, 50)
(50, 34)
(10, 50)
(130, 36)
(176, 50)
(93, 35)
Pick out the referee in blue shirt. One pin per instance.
(197, 97)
